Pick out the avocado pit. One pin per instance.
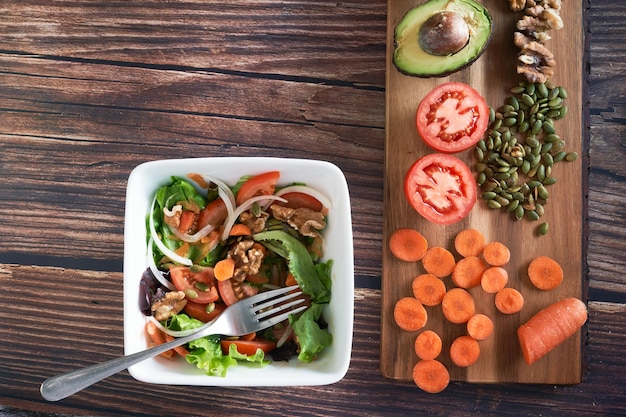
(444, 33)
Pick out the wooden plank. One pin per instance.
(492, 75)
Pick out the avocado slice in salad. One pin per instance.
(439, 37)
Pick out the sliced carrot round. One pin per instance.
(496, 254)
(438, 261)
(464, 351)
(431, 376)
(407, 244)
(545, 273)
(509, 301)
(428, 289)
(494, 279)
(469, 242)
(468, 272)
(428, 345)
(409, 314)
(480, 326)
(458, 305)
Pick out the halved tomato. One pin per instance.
(262, 184)
(198, 284)
(441, 188)
(452, 117)
(248, 347)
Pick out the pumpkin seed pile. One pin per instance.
(516, 157)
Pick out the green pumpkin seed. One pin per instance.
(539, 209)
(542, 90)
(488, 195)
(519, 212)
(532, 215)
(492, 114)
(512, 206)
(480, 180)
(536, 127)
(512, 101)
(554, 93)
(548, 127)
(518, 89)
(530, 89)
(493, 204)
(551, 138)
(542, 192)
(528, 100)
(548, 159)
(549, 180)
(542, 229)
(480, 155)
(562, 112)
(571, 156)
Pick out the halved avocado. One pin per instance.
(439, 37)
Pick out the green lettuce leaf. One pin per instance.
(311, 338)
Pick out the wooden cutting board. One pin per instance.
(493, 75)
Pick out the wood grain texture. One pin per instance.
(493, 75)
(78, 113)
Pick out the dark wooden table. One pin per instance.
(90, 89)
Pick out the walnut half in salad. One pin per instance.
(211, 245)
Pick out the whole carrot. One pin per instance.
(550, 327)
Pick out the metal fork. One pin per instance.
(248, 315)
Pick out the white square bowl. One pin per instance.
(333, 362)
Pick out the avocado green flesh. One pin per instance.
(411, 59)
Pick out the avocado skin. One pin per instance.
(410, 59)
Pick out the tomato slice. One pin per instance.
(214, 213)
(441, 188)
(248, 347)
(262, 184)
(198, 311)
(452, 117)
(231, 291)
(198, 285)
(297, 200)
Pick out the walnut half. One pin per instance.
(171, 303)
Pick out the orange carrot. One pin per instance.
(428, 345)
(496, 254)
(458, 305)
(509, 301)
(431, 376)
(545, 273)
(438, 261)
(468, 272)
(181, 350)
(158, 338)
(494, 279)
(240, 229)
(409, 314)
(479, 326)
(469, 242)
(464, 351)
(428, 289)
(408, 245)
(224, 269)
(550, 327)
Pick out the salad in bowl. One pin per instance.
(213, 231)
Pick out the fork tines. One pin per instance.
(276, 302)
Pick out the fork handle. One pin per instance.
(62, 386)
